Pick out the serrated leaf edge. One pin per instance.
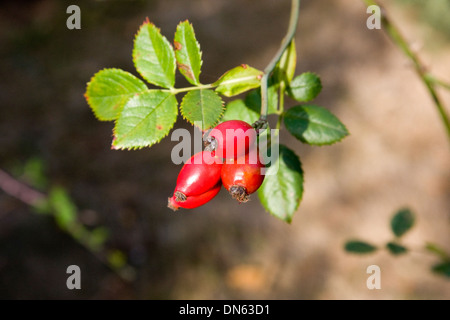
(148, 22)
(196, 81)
(244, 66)
(215, 123)
(245, 106)
(91, 80)
(289, 93)
(289, 219)
(139, 147)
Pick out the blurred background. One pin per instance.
(105, 210)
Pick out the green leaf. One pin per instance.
(285, 69)
(305, 87)
(187, 52)
(117, 259)
(402, 221)
(314, 125)
(202, 105)
(153, 56)
(238, 80)
(359, 247)
(63, 208)
(253, 99)
(282, 189)
(438, 251)
(145, 120)
(395, 248)
(109, 90)
(33, 173)
(238, 110)
(442, 268)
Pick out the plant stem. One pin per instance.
(199, 87)
(295, 9)
(208, 86)
(429, 83)
(20, 190)
(435, 249)
(280, 110)
(439, 82)
(34, 198)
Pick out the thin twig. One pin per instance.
(19, 190)
(421, 70)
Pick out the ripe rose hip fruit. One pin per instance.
(243, 177)
(231, 139)
(198, 175)
(192, 202)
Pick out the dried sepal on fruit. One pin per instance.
(243, 176)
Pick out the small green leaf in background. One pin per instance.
(98, 237)
(314, 125)
(238, 110)
(109, 90)
(238, 80)
(305, 87)
(154, 57)
(442, 268)
(395, 248)
(145, 120)
(33, 173)
(116, 259)
(202, 105)
(187, 52)
(63, 208)
(285, 69)
(253, 99)
(359, 247)
(402, 221)
(282, 189)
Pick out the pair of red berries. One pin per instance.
(230, 158)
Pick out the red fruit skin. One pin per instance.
(245, 172)
(199, 174)
(233, 138)
(195, 201)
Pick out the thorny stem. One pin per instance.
(295, 9)
(428, 81)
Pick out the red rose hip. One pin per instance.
(243, 177)
(192, 202)
(231, 139)
(198, 175)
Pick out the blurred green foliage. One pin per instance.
(436, 13)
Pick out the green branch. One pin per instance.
(428, 81)
(295, 9)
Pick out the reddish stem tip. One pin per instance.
(172, 205)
